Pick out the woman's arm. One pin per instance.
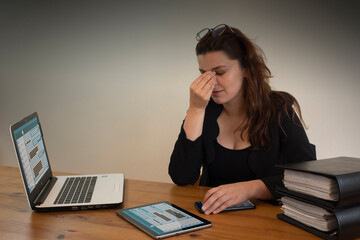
(187, 156)
(294, 146)
(200, 93)
(186, 160)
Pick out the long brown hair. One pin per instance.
(262, 104)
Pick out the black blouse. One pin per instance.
(229, 166)
(289, 144)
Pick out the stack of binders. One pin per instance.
(323, 197)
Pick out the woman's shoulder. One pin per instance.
(286, 111)
(283, 103)
(282, 99)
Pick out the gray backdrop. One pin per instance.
(110, 80)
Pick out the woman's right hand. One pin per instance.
(201, 90)
(200, 93)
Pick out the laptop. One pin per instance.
(46, 192)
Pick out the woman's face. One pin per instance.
(229, 76)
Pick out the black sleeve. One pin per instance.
(186, 160)
(294, 147)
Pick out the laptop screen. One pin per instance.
(31, 150)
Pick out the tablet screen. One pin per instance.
(163, 219)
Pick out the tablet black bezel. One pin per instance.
(205, 223)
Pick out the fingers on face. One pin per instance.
(204, 86)
(204, 79)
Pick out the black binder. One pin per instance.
(348, 219)
(346, 172)
(326, 204)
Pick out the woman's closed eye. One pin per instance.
(220, 73)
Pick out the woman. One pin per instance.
(236, 128)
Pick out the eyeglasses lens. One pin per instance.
(218, 30)
(202, 33)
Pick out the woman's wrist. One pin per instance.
(195, 110)
(258, 190)
(194, 123)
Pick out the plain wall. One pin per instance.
(110, 80)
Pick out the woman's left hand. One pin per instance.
(219, 198)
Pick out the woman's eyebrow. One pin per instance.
(215, 68)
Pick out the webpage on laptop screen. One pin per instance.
(31, 149)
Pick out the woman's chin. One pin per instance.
(217, 100)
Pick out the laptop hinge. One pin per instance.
(45, 191)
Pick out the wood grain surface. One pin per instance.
(18, 221)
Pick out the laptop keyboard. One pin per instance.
(76, 190)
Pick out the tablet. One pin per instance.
(163, 219)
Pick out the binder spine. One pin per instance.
(349, 190)
(349, 221)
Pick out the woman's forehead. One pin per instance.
(212, 60)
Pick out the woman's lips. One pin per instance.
(216, 92)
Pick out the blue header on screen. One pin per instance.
(25, 128)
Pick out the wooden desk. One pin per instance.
(17, 221)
